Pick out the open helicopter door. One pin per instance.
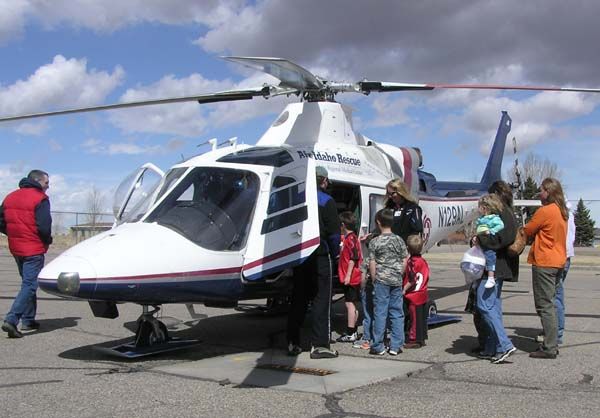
(135, 194)
(289, 232)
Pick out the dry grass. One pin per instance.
(62, 241)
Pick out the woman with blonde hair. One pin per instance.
(407, 213)
(547, 256)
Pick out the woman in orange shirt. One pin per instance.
(547, 256)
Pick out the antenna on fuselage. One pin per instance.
(212, 142)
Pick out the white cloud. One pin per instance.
(95, 146)
(131, 149)
(110, 15)
(32, 128)
(63, 82)
(12, 18)
(390, 112)
(191, 119)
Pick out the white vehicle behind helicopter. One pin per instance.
(231, 224)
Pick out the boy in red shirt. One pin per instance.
(415, 282)
(349, 273)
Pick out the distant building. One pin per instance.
(84, 231)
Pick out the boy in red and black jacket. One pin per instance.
(349, 273)
(415, 282)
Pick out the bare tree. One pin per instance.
(94, 206)
(535, 168)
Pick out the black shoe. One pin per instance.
(542, 354)
(485, 356)
(11, 330)
(294, 350)
(322, 352)
(503, 356)
(30, 326)
(374, 352)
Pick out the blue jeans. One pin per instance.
(388, 301)
(366, 300)
(489, 305)
(490, 260)
(24, 306)
(559, 301)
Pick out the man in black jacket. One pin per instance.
(313, 280)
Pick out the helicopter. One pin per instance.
(231, 224)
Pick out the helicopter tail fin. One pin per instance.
(493, 169)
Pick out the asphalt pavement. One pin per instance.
(56, 372)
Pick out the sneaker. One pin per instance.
(503, 356)
(347, 338)
(362, 344)
(30, 326)
(485, 356)
(542, 354)
(358, 343)
(322, 352)
(394, 352)
(490, 282)
(294, 349)
(11, 330)
(374, 352)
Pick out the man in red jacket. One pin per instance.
(25, 218)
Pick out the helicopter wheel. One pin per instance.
(431, 309)
(150, 332)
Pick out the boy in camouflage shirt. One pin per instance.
(387, 260)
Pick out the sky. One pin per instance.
(72, 53)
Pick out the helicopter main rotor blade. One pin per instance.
(291, 75)
(382, 86)
(204, 98)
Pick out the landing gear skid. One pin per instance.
(151, 337)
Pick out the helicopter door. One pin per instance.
(372, 200)
(286, 229)
(134, 195)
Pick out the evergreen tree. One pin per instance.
(530, 192)
(584, 226)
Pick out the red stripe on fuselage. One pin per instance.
(407, 168)
(214, 272)
(283, 253)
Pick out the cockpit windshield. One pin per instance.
(211, 206)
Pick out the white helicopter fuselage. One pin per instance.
(232, 223)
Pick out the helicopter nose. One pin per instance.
(68, 276)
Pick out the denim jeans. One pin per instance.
(366, 300)
(489, 305)
(490, 260)
(388, 302)
(559, 301)
(24, 306)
